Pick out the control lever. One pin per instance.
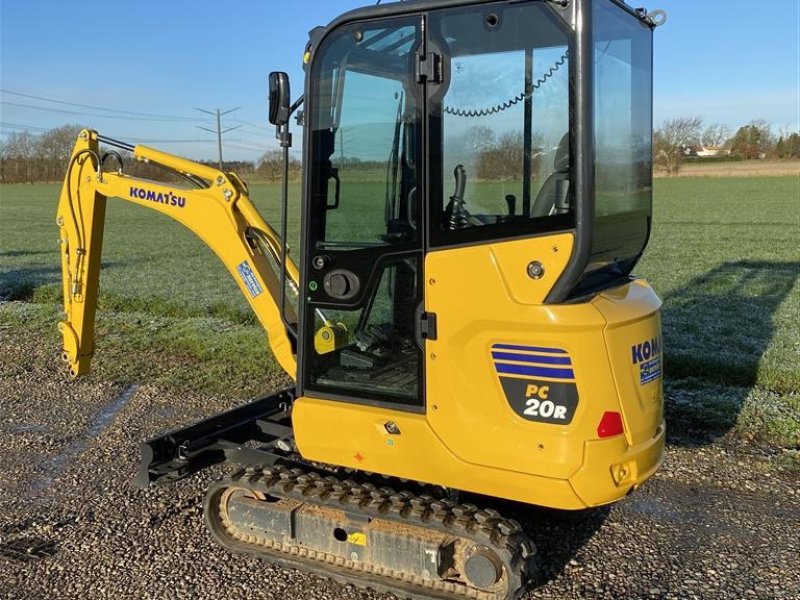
(459, 216)
(511, 201)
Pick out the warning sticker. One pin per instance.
(249, 279)
(357, 538)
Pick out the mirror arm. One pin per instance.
(282, 133)
(296, 105)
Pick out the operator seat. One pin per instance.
(553, 195)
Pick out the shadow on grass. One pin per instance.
(18, 253)
(21, 284)
(716, 330)
(36, 284)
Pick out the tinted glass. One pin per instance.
(379, 358)
(364, 113)
(365, 216)
(503, 120)
(623, 136)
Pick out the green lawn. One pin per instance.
(724, 256)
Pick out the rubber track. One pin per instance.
(485, 527)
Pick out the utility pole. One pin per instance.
(219, 130)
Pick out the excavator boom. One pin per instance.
(217, 209)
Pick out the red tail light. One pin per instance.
(610, 424)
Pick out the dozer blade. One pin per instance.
(413, 546)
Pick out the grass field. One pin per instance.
(724, 256)
(736, 168)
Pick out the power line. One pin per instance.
(238, 143)
(23, 127)
(114, 110)
(254, 125)
(219, 131)
(261, 151)
(80, 114)
(151, 141)
(256, 142)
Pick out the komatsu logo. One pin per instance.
(646, 350)
(648, 356)
(169, 198)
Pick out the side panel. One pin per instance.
(516, 384)
(355, 436)
(477, 434)
(510, 380)
(635, 349)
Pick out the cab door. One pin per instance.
(363, 234)
(502, 218)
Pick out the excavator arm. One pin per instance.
(217, 209)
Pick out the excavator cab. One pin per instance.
(435, 126)
(477, 189)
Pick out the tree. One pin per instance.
(18, 155)
(53, 149)
(462, 148)
(753, 140)
(672, 139)
(715, 135)
(270, 165)
(788, 145)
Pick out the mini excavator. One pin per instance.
(462, 317)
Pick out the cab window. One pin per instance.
(502, 121)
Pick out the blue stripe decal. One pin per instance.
(533, 358)
(528, 348)
(534, 371)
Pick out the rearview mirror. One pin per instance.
(279, 98)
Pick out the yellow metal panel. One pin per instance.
(470, 437)
(353, 435)
(483, 305)
(634, 346)
(611, 468)
(512, 259)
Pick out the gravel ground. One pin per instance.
(715, 522)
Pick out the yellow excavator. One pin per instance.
(476, 190)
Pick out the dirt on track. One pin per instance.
(715, 522)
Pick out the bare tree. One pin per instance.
(673, 138)
(754, 140)
(54, 148)
(270, 165)
(715, 135)
(18, 156)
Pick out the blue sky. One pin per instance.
(155, 61)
